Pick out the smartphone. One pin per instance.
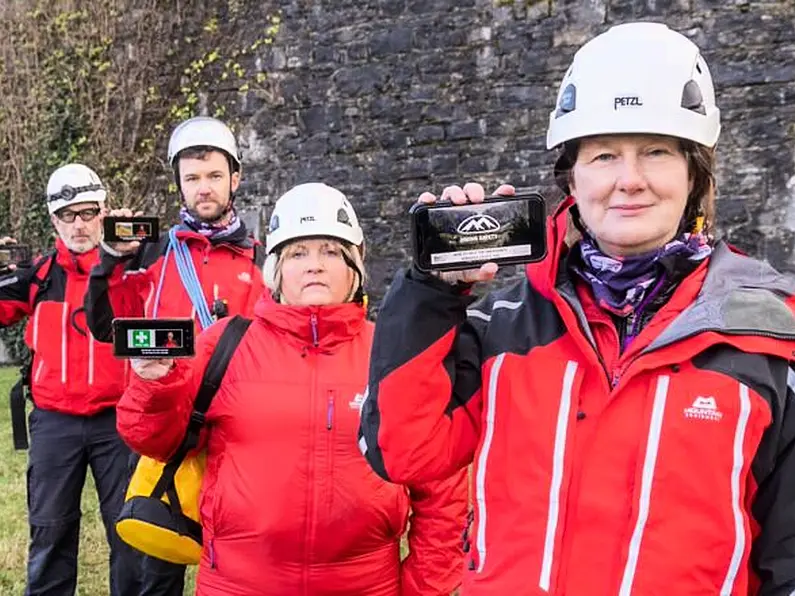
(502, 230)
(127, 229)
(153, 338)
(14, 254)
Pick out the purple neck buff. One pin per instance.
(621, 284)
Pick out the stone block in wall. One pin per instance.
(387, 98)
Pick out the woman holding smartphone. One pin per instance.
(628, 405)
(289, 506)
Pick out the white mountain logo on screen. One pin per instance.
(477, 224)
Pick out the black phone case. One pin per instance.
(15, 254)
(420, 242)
(149, 225)
(149, 338)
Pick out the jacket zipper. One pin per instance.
(326, 498)
(310, 493)
(313, 323)
(64, 344)
(90, 359)
(582, 322)
(618, 373)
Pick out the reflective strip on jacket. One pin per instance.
(671, 473)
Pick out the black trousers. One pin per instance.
(62, 449)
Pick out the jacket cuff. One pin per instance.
(457, 289)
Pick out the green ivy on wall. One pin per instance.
(105, 86)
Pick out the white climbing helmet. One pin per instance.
(636, 78)
(74, 183)
(203, 131)
(312, 209)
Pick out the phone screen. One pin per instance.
(153, 338)
(14, 254)
(128, 229)
(502, 230)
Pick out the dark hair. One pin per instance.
(202, 152)
(700, 167)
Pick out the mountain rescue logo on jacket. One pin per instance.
(358, 401)
(704, 408)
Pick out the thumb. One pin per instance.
(137, 362)
(487, 272)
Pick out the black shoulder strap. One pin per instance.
(259, 255)
(213, 375)
(219, 361)
(19, 425)
(39, 278)
(42, 278)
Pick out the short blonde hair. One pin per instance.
(273, 278)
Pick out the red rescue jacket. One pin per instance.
(71, 371)
(289, 506)
(667, 469)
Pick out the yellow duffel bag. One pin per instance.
(160, 516)
(166, 526)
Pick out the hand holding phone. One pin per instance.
(13, 255)
(153, 339)
(474, 193)
(153, 369)
(118, 228)
(122, 248)
(467, 237)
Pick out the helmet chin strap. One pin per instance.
(359, 295)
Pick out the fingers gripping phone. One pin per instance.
(153, 338)
(128, 229)
(502, 230)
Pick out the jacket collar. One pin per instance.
(740, 296)
(79, 264)
(320, 328)
(544, 274)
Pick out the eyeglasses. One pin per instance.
(67, 193)
(68, 216)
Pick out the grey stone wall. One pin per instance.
(385, 99)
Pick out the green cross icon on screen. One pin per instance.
(143, 338)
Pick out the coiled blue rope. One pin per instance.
(190, 281)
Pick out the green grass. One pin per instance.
(92, 577)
